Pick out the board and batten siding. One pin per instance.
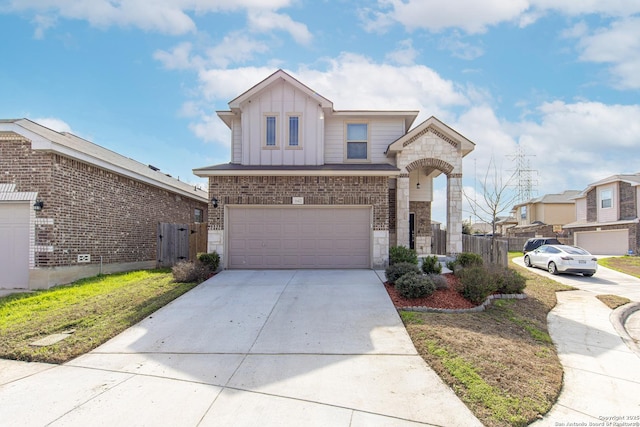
(282, 100)
(381, 133)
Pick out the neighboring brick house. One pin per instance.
(544, 216)
(71, 209)
(607, 216)
(312, 187)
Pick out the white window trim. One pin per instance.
(602, 199)
(523, 212)
(300, 139)
(264, 132)
(346, 141)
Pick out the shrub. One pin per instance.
(431, 265)
(476, 283)
(188, 272)
(212, 260)
(469, 259)
(439, 280)
(508, 281)
(415, 285)
(396, 271)
(398, 254)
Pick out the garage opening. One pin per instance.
(262, 237)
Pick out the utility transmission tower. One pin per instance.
(525, 181)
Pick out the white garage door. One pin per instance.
(299, 237)
(610, 242)
(14, 245)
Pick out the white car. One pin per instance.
(562, 259)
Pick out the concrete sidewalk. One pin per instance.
(246, 348)
(601, 373)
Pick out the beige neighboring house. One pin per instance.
(71, 209)
(309, 186)
(504, 224)
(544, 216)
(607, 216)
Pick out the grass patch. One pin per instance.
(624, 264)
(613, 301)
(500, 362)
(98, 308)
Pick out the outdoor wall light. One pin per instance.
(418, 186)
(38, 205)
(214, 202)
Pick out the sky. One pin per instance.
(547, 87)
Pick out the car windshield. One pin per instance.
(574, 250)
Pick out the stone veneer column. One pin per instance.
(402, 210)
(454, 214)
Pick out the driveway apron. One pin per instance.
(246, 348)
(601, 384)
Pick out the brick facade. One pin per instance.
(628, 203)
(316, 190)
(592, 206)
(89, 210)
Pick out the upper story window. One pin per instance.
(294, 131)
(606, 199)
(271, 130)
(523, 212)
(357, 141)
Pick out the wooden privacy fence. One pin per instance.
(493, 251)
(438, 240)
(180, 242)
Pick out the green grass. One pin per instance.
(624, 264)
(97, 308)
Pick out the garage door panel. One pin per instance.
(299, 237)
(605, 242)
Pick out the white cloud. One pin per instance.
(164, 16)
(266, 20)
(618, 45)
(54, 123)
(178, 58)
(459, 48)
(405, 54)
(235, 48)
(471, 16)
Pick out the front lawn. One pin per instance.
(500, 362)
(96, 309)
(625, 264)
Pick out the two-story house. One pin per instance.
(607, 216)
(545, 215)
(309, 186)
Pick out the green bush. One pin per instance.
(469, 259)
(396, 271)
(508, 281)
(431, 265)
(398, 254)
(211, 260)
(439, 280)
(476, 283)
(415, 285)
(190, 272)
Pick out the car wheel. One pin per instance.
(552, 268)
(527, 261)
(588, 274)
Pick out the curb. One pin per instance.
(476, 309)
(618, 317)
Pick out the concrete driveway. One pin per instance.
(246, 348)
(601, 373)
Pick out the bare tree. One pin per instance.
(496, 197)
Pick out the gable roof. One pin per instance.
(434, 125)
(567, 196)
(629, 178)
(70, 145)
(327, 105)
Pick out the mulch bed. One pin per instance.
(446, 298)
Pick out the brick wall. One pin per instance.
(592, 206)
(316, 190)
(627, 197)
(94, 211)
(422, 211)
